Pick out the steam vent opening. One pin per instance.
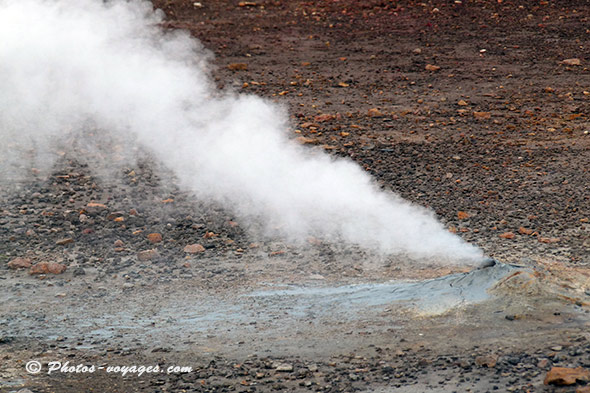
(294, 196)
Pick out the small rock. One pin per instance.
(461, 215)
(194, 248)
(431, 67)
(20, 263)
(488, 361)
(147, 255)
(154, 238)
(548, 240)
(119, 243)
(525, 231)
(307, 141)
(482, 115)
(566, 376)
(283, 367)
(47, 267)
(94, 208)
(238, 66)
(63, 242)
(82, 217)
(462, 103)
(417, 51)
(96, 205)
(507, 235)
(572, 62)
(374, 112)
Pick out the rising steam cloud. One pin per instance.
(64, 63)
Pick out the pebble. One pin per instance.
(486, 361)
(283, 367)
(194, 248)
(63, 242)
(154, 238)
(20, 263)
(48, 267)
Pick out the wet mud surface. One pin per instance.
(495, 141)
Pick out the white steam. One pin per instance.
(63, 63)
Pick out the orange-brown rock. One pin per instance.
(48, 267)
(20, 263)
(566, 376)
(154, 238)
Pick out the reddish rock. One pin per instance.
(572, 62)
(94, 208)
(147, 255)
(566, 376)
(119, 243)
(507, 235)
(374, 112)
(525, 231)
(20, 263)
(96, 205)
(482, 115)
(194, 248)
(238, 66)
(461, 215)
(154, 238)
(48, 267)
(209, 235)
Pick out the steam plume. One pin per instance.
(63, 63)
